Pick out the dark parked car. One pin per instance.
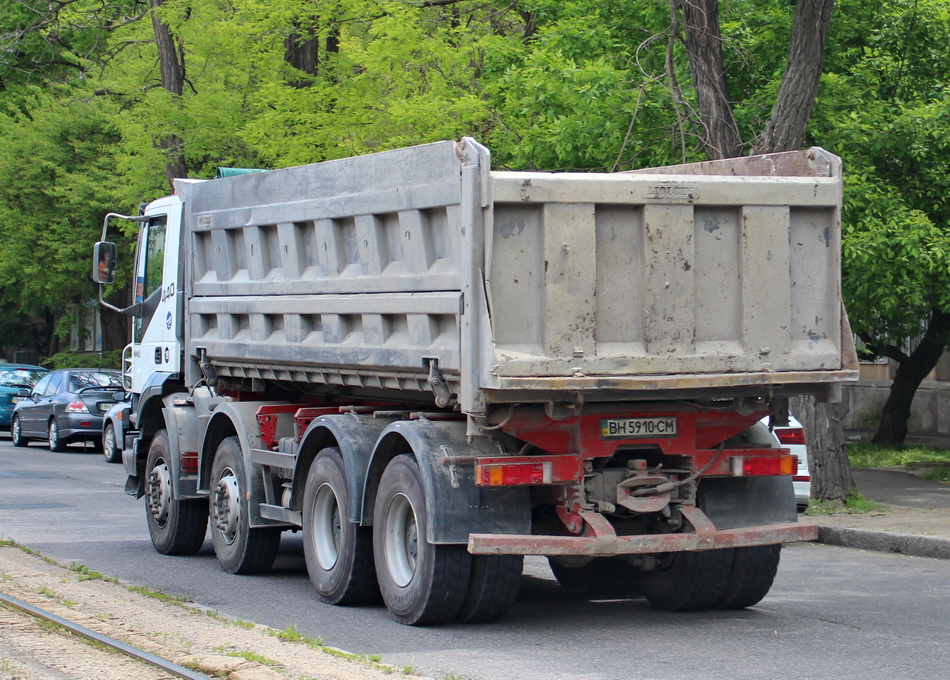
(65, 406)
(13, 378)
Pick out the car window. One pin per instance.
(40, 387)
(54, 384)
(19, 377)
(86, 379)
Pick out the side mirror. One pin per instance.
(23, 392)
(103, 261)
(119, 396)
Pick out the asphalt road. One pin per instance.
(832, 613)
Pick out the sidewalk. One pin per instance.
(915, 519)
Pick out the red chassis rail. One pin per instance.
(602, 541)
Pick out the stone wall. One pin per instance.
(930, 412)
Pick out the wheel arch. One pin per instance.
(236, 419)
(356, 437)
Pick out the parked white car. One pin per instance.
(792, 437)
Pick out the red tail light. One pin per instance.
(516, 474)
(790, 435)
(757, 466)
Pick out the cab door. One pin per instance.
(156, 329)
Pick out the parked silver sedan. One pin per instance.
(65, 406)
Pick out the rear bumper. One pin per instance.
(604, 542)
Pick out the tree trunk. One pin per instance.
(704, 47)
(173, 80)
(911, 371)
(785, 129)
(828, 463)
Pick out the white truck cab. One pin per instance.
(157, 301)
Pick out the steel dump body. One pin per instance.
(376, 273)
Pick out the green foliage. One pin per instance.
(70, 359)
(868, 454)
(885, 107)
(58, 181)
(854, 502)
(546, 84)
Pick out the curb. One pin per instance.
(881, 541)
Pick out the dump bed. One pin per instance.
(379, 273)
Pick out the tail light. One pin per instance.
(76, 407)
(762, 466)
(790, 435)
(516, 474)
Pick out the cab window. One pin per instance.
(148, 278)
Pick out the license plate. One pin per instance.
(628, 428)
(17, 400)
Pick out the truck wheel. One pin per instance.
(421, 583)
(687, 581)
(110, 449)
(753, 570)
(239, 548)
(492, 588)
(603, 578)
(339, 553)
(56, 442)
(16, 433)
(176, 527)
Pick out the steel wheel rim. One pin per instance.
(15, 432)
(402, 540)
(226, 506)
(327, 530)
(158, 493)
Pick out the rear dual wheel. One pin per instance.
(421, 583)
(603, 578)
(339, 553)
(733, 578)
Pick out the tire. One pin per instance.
(688, 581)
(176, 527)
(239, 548)
(339, 553)
(421, 583)
(55, 442)
(751, 577)
(110, 449)
(603, 578)
(492, 588)
(16, 433)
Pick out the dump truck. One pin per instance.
(433, 369)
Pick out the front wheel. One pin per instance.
(421, 583)
(110, 447)
(239, 548)
(56, 442)
(339, 553)
(16, 433)
(176, 526)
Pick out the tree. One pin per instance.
(783, 131)
(896, 250)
